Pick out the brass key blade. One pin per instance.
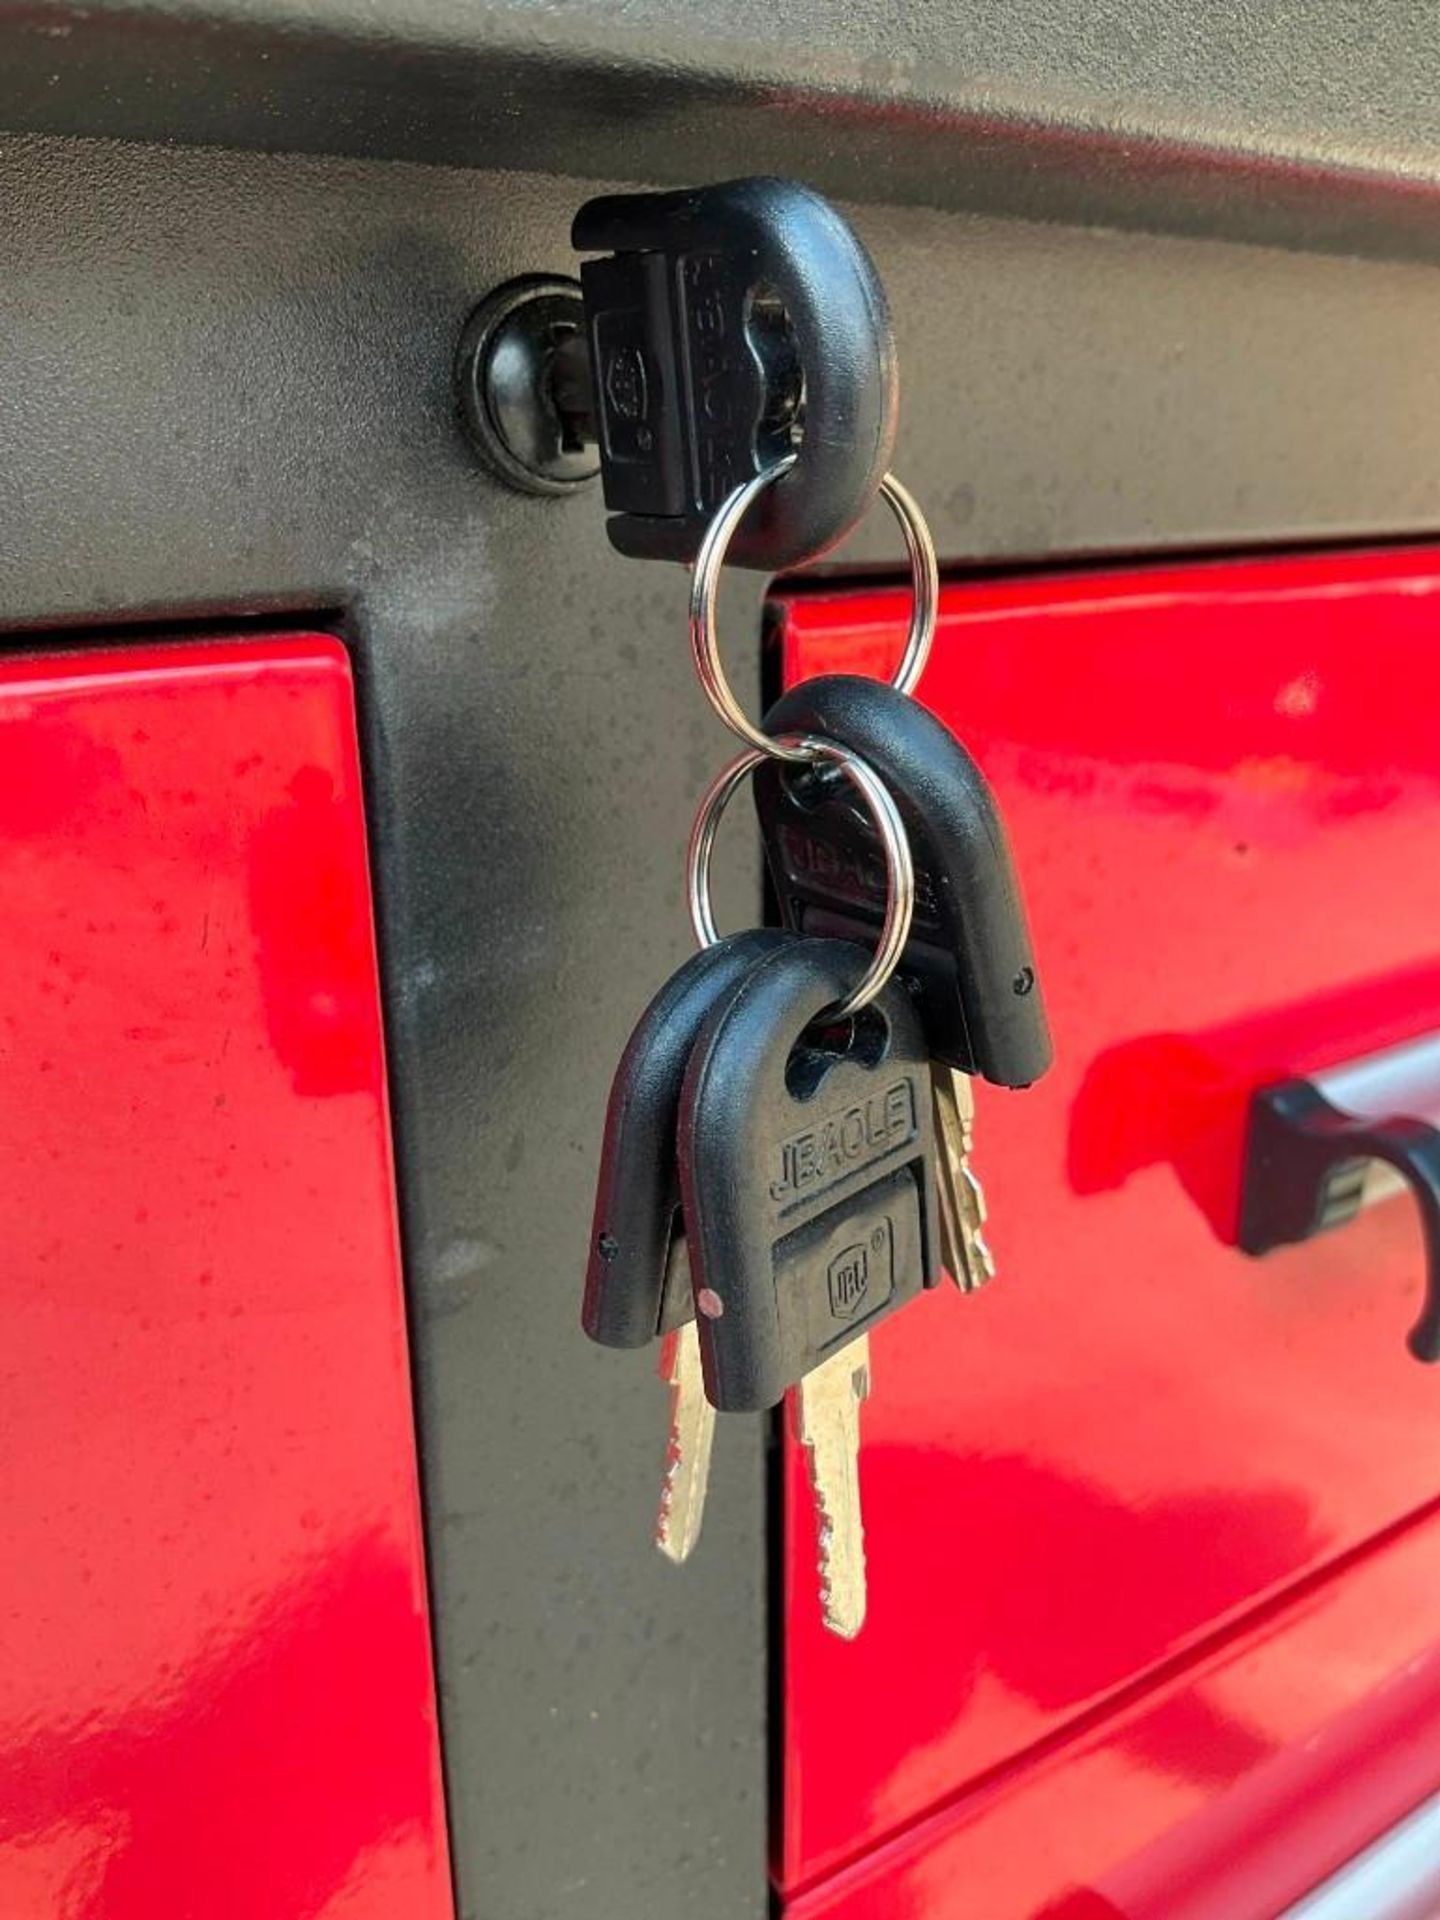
(829, 1416)
(687, 1457)
(947, 1199)
(973, 1210)
(960, 1197)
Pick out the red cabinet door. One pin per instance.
(216, 1694)
(1223, 788)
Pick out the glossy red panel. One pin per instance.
(215, 1682)
(1225, 1793)
(1223, 789)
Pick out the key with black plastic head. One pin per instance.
(806, 1157)
(637, 1281)
(968, 961)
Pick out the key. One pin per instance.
(631, 1292)
(829, 1423)
(807, 1174)
(692, 1434)
(969, 960)
(637, 1282)
(960, 1198)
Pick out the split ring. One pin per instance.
(705, 589)
(899, 866)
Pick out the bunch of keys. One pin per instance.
(968, 960)
(787, 1154)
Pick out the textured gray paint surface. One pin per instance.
(227, 389)
(1313, 122)
(227, 386)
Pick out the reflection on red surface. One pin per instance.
(1183, 1099)
(1302, 1739)
(1223, 789)
(138, 1792)
(215, 1684)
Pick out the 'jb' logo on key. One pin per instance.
(849, 1281)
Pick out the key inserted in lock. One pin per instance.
(718, 333)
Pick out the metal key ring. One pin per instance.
(705, 589)
(899, 866)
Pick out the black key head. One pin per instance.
(969, 960)
(637, 1198)
(806, 1170)
(714, 312)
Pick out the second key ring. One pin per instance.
(705, 589)
(895, 846)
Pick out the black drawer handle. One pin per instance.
(1310, 1148)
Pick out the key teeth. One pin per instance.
(842, 1578)
(987, 1259)
(837, 1621)
(676, 1547)
(843, 1629)
(687, 1452)
(973, 1277)
(964, 1252)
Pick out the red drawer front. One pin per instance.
(215, 1680)
(1225, 1792)
(1223, 789)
